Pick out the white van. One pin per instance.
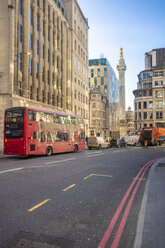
(97, 142)
(132, 140)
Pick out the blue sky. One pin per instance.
(137, 26)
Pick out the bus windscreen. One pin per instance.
(14, 123)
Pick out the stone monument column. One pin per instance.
(121, 69)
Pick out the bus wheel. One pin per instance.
(75, 148)
(49, 151)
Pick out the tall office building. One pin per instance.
(36, 61)
(102, 76)
(149, 96)
(79, 45)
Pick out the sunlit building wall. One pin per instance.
(102, 76)
(149, 103)
(79, 47)
(36, 61)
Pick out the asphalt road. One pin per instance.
(74, 200)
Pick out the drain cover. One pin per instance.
(32, 240)
(24, 243)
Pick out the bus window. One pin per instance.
(34, 135)
(31, 115)
(62, 136)
(14, 123)
(82, 136)
(73, 120)
(49, 137)
(43, 137)
(66, 120)
(57, 119)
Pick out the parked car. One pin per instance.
(97, 142)
(118, 143)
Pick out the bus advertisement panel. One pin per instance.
(31, 131)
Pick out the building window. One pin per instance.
(37, 2)
(20, 33)
(98, 72)
(95, 81)
(30, 66)
(139, 104)
(102, 80)
(144, 105)
(105, 89)
(43, 6)
(43, 28)
(92, 73)
(20, 7)
(20, 61)
(89, 82)
(48, 12)
(150, 105)
(105, 72)
(37, 46)
(158, 93)
(150, 92)
(156, 74)
(75, 94)
(145, 115)
(160, 73)
(151, 115)
(37, 22)
(75, 45)
(151, 125)
(140, 116)
(159, 104)
(159, 115)
(144, 93)
(75, 61)
(37, 67)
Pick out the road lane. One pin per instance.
(81, 214)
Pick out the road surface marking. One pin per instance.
(88, 153)
(88, 177)
(38, 205)
(16, 169)
(136, 178)
(60, 161)
(96, 154)
(127, 210)
(96, 175)
(71, 186)
(110, 228)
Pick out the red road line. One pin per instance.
(127, 210)
(107, 234)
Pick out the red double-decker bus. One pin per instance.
(31, 131)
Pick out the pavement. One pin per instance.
(151, 222)
(150, 231)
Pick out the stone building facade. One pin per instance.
(98, 113)
(102, 76)
(79, 46)
(149, 103)
(36, 61)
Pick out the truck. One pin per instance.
(152, 136)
